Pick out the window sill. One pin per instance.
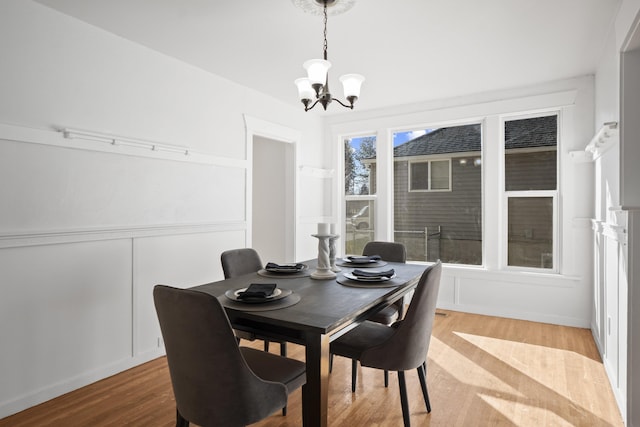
(524, 277)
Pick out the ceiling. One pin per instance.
(408, 50)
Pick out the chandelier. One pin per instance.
(316, 85)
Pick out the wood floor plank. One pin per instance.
(481, 371)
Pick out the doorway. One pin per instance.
(273, 199)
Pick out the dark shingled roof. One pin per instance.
(525, 133)
(455, 139)
(534, 132)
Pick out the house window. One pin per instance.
(437, 184)
(432, 175)
(359, 192)
(530, 188)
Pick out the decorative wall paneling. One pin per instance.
(76, 304)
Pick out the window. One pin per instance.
(530, 184)
(438, 201)
(430, 175)
(359, 191)
(436, 195)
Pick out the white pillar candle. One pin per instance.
(332, 229)
(323, 229)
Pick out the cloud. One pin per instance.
(416, 133)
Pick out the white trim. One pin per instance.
(263, 128)
(102, 142)
(51, 237)
(313, 172)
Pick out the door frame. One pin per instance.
(258, 127)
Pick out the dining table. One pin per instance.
(313, 313)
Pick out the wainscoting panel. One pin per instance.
(75, 312)
(65, 188)
(181, 261)
(548, 298)
(65, 314)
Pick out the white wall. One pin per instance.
(86, 228)
(563, 297)
(615, 236)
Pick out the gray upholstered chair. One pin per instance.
(237, 262)
(216, 382)
(392, 252)
(402, 346)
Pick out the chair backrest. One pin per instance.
(388, 251)
(236, 262)
(212, 383)
(407, 348)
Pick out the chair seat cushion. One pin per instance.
(271, 367)
(386, 316)
(367, 335)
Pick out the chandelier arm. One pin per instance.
(341, 103)
(312, 105)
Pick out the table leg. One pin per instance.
(315, 393)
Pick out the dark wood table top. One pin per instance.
(325, 307)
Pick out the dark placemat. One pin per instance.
(358, 284)
(290, 300)
(342, 263)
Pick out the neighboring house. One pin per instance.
(438, 186)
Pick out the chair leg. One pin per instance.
(354, 374)
(422, 374)
(283, 349)
(386, 378)
(266, 345)
(406, 416)
(330, 362)
(180, 420)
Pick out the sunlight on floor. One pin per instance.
(542, 369)
(526, 414)
(525, 383)
(468, 371)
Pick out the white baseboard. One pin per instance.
(36, 397)
(511, 314)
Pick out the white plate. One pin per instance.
(367, 279)
(286, 270)
(360, 261)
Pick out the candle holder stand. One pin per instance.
(332, 253)
(323, 271)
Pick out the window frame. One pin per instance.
(429, 176)
(553, 194)
(371, 199)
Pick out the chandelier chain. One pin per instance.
(325, 31)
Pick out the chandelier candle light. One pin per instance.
(316, 84)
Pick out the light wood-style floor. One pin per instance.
(482, 371)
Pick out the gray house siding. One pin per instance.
(530, 171)
(456, 238)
